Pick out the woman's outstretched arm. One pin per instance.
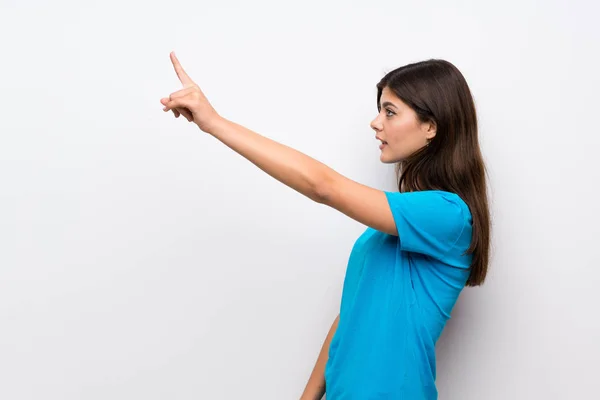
(293, 168)
(315, 388)
(297, 170)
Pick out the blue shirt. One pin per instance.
(397, 296)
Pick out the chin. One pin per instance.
(389, 160)
(387, 156)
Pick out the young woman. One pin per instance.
(423, 244)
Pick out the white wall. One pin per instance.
(142, 259)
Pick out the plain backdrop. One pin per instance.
(142, 259)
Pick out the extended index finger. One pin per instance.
(183, 76)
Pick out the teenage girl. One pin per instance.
(423, 243)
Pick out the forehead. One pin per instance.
(387, 96)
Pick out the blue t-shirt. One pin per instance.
(397, 296)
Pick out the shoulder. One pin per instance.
(434, 202)
(429, 219)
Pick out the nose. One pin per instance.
(376, 124)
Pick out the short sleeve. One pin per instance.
(428, 222)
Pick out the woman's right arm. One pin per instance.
(315, 388)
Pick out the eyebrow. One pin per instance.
(387, 103)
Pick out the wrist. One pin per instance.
(313, 393)
(214, 125)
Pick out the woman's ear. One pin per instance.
(430, 129)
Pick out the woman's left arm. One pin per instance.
(291, 167)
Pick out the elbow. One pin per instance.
(323, 190)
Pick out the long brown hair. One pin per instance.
(437, 91)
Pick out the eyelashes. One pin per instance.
(388, 112)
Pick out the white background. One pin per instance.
(142, 259)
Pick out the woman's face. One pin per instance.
(399, 129)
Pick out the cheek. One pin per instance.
(399, 132)
(404, 139)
